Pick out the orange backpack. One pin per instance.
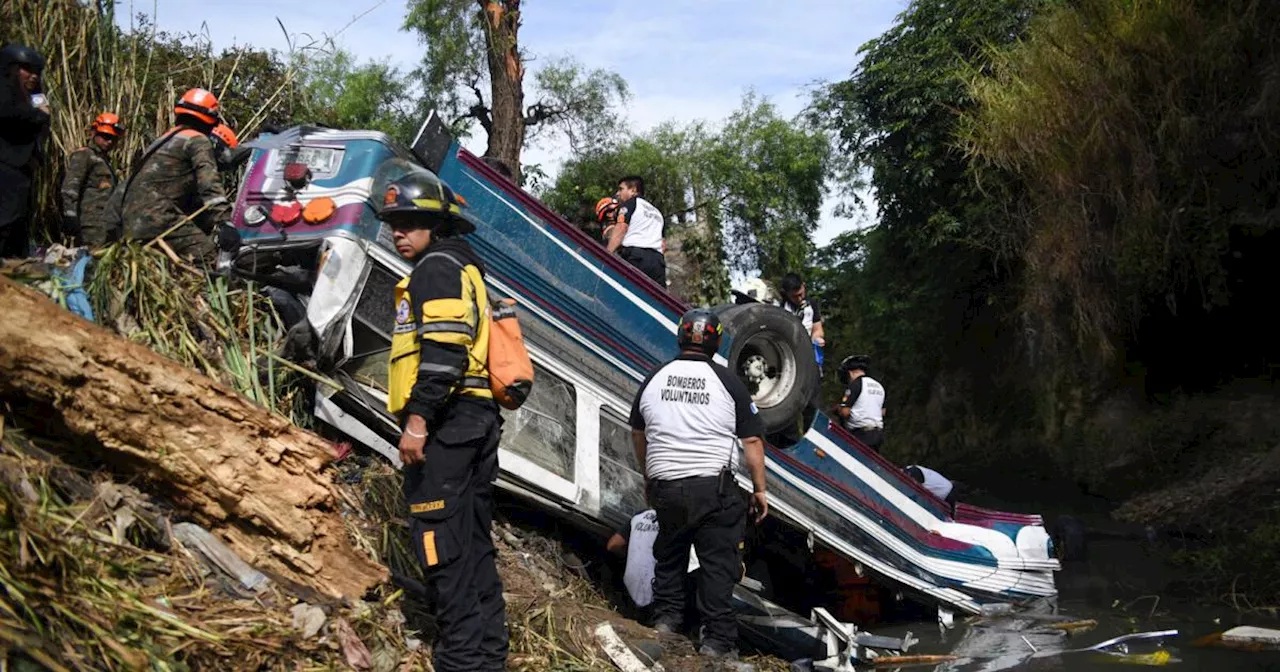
(510, 369)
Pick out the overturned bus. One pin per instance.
(306, 210)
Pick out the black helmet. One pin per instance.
(21, 54)
(419, 197)
(859, 362)
(699, 329)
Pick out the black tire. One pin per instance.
(777, 338)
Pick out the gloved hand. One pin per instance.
(228, 237)
(70, 224)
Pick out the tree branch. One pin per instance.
(540, 112)
(479, 111)
(710, 201)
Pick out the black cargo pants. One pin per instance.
(873, 437)
(15, 212)
(647, 261)
(450, 497)
(694, 511)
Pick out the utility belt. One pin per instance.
(725, 481)
(628, 250)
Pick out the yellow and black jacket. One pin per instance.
(440, 344)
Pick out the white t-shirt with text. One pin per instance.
(644, 224)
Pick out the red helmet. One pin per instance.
(226, 135)
(605, 208)
(200, 104)
(108, 123)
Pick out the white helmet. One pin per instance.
(753, 289)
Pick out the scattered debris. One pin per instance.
(307, 619)
(619, 652)
(354, 650)
(1102, 647)
(1154, 659)
(905, 661)
(216, 554)
(1074, 627)
(1248, 634)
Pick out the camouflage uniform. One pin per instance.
(86, 190)
(176, 180)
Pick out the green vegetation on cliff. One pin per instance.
(1074, 263)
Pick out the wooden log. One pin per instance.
(252, 478)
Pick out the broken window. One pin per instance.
(375, 316)
(543, 430)
(621, 484)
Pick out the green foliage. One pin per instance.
(341, 93)
(671, 159)
(583, 106)
(665, 157)
(749, 194)
(768, 174)
(454, 65)
(1141, 131)
(895, 117)
(916, 292)
(579, 104)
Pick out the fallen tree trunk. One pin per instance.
(252, 478)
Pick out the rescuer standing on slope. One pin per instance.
(177, 183)
(24, 122)
(87, 186)
(862, 406)
(438, 385)
(686, 422)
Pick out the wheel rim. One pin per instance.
(767, 369)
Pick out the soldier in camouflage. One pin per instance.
(86, 188)
(178, 180)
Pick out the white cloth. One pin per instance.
(638, 576)
(807, 311)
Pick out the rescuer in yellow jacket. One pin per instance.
(438, 385)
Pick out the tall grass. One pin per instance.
(1142, 133)
(93, 66)
(227, 333)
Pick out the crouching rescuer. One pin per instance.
(686, 422)
(439, 387)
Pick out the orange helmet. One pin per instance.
(108, 124)
(200, 104)
(605, 207)
(225, 134)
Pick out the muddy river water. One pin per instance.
(1126, 583)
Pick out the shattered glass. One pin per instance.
(543, 430)
(621, 485)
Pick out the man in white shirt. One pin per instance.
(862, 407)
(936, 483)
(795, 299)
(637, 231)
(686, 421)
